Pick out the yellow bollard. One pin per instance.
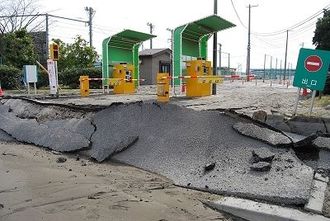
(163, 87)
(84, 86)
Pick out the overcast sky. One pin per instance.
(270, 16)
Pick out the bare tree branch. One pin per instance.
(21, 14)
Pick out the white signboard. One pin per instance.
(30, 73)
(53, 82)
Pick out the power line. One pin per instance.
(295, 25)
(239, 18)
(270, 34)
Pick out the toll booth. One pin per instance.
(124, 72)
(196, 84)
(120, 58)
(190, 52)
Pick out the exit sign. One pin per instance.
(312, 69)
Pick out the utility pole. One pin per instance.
(172, 32)
(271, 67)
(47, 36)
(151, 29)
(220, 45)
(286, 53)
(264, 68)
(249, 44)
(215, 44)
(276, 68)
(91, 13)
(172, 48)
(229, 62)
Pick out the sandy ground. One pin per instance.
(35, 187)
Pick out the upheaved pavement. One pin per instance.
(30, 131)
(175, 142)
(178, 142)
(269, 136)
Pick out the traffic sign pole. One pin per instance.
(312, 105)
(297, 101)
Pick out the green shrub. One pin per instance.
(71, 77)
(43, 80)
(10, 77)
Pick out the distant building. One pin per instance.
(153, 61)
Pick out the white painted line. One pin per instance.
(255, 211)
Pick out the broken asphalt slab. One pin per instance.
(6, 137)
(116, 129)
(264, 134)
(178, 142)
(306, 125)
(322, 142)
(30, 131)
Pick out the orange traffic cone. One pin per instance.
(305, 93)
(1, 91)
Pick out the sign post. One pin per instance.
(311, 72)
(52, 74)
(30, 76)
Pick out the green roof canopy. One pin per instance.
(122, 47)
(191, 39)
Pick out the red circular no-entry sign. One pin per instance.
(313, 63)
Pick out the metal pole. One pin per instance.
(248, 47)
(151, 26)
(35, 88)
(280, 72)
(229, 62)
(286, 53)
(271, 70)
(215, 44)
(47, 37)
(172, 48)
(219, 58)
(90, 27)
(297, 101)
(264, 68)
(249, 43)
(276, 69)
(90, 11)
(312, 105)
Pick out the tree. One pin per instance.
(321, 39)
(17, 49)
(18, 15)
(76, 55)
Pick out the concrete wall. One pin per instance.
(146, 69)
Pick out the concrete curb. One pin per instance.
(315, 202)
(255, 211)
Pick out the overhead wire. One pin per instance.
(270, 34)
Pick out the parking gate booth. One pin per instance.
(190, 65)
(125, 72)
(120, 61)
